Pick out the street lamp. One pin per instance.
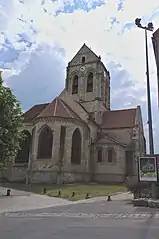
(149, 27)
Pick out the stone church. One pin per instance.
(77, 137)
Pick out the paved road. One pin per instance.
(94, 220)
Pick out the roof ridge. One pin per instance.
(65, 108)
(40, 104)
(55, 106)
(111, 138)
(122, 110)
(45, 108)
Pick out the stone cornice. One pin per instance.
(58, 119)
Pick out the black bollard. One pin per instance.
(87, 196)
(8, 192)
(59, 194)
(73, 194)
(44, 191)
(109, 198)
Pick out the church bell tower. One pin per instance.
(88, 81)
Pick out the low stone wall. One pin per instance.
(17, 173)
(145, 202)
(48, 176)
(43, 176)
(144, 190)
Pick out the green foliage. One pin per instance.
(10, 123)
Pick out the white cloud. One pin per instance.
(123, 51)
(41, 79)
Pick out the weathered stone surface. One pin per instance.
(83, 104)
(140, 202)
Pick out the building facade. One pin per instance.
(77, 137)
(155, 42)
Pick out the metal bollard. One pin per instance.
(109, 198)
(73, 194)
(8, 192)
(44, 191)
(87, 196)
(59, 194)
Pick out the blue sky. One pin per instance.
(39, 37)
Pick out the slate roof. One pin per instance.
(57, 108)
(119, 119)
(33, 112)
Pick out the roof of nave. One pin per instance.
(119, 118)
(58, 108)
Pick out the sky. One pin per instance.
(39, 37)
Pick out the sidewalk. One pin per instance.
(24, 201)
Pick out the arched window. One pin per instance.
(90, 82)
(23, 153)
(76, 147)
(45, 144)
(75, 85)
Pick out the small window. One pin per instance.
(99, 155)
(75, 85)
(83, 59)
(110, 155)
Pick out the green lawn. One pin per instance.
(94, 190)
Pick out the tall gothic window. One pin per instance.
(76, 147)
(90, 82)
(99, 151)
(45, 144)
(23, 153)
(75, 85)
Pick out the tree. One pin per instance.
(11, 121)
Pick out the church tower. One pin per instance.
(88, 82)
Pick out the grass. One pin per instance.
(80, 190)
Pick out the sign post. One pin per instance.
(148, 172)
(148, 169)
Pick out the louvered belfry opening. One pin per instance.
(90, 82)
(75, 85)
